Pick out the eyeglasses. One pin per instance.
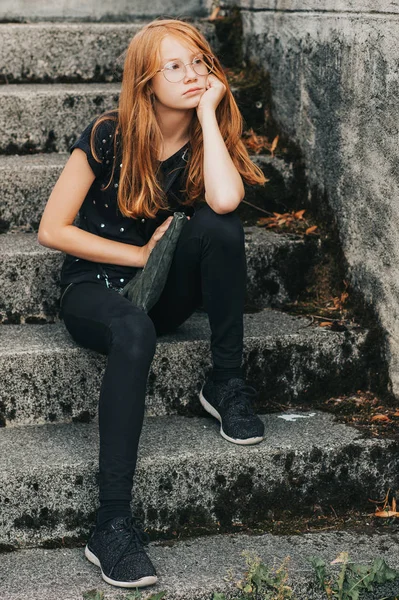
(175, 70)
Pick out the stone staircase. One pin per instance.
(56, 76)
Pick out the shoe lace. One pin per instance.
(130, 538)
(239, 397)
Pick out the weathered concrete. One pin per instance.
(50, 378)
(335, 93)
(58, 52)
(29, 272)
(62, 111)
(27, 182)
(99, 10)
(196, 568)
(188, 475)
(334, 6)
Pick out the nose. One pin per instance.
(192, 70)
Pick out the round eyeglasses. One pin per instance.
(175, 70)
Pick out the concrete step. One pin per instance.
(99, 10)
(75, 52)
(50, 378)
(61, 112)
(198, 567)
(29, 273)
(27, 182)
(188, 476)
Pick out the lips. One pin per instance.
(192, 90)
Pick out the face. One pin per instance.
(172, 95)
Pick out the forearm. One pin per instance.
(223, 184)
(82, 244)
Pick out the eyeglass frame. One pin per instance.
(185, 65)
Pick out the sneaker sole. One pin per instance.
(126, 584)
(212, 411)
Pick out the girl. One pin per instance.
(177, 126)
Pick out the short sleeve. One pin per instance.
(103, 144)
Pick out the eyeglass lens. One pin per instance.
(175, 70)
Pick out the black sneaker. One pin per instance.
(117, 548)
(230, 403)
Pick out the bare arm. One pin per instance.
(223, 183)
(56, 229)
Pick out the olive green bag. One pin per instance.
(144, 289)
(146, 286)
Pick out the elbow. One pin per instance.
(41, 238)
(44, 238)
(222, 207)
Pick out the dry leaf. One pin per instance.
(325, 324)
(380, 418)
(386, 513)
(274, 144)
(311, 229)
(256, 142)
(385, 499)
(341, 558)
(299, 214)
(214, 13)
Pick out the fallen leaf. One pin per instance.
(274, 144)
(344, 296)
(325, 324)
(341, 558)
(214, 13)
(386, 513)
(380, 418)
(311, 229)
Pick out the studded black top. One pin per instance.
(99, 213)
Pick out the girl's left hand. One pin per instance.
(212, 96)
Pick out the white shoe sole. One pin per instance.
(212, 411)
(125, 584)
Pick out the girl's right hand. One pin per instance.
(156, 236)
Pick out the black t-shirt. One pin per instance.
(99, 213)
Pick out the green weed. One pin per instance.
(352, 578)
(261, 582)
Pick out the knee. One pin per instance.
(226, 228)
(134, 335)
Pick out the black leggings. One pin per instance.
(209, 268)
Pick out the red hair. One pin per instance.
(139, 192)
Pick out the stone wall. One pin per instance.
(99, 10)
(335, 91)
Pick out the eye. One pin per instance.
(172, 66)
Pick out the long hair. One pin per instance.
(139, 192)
